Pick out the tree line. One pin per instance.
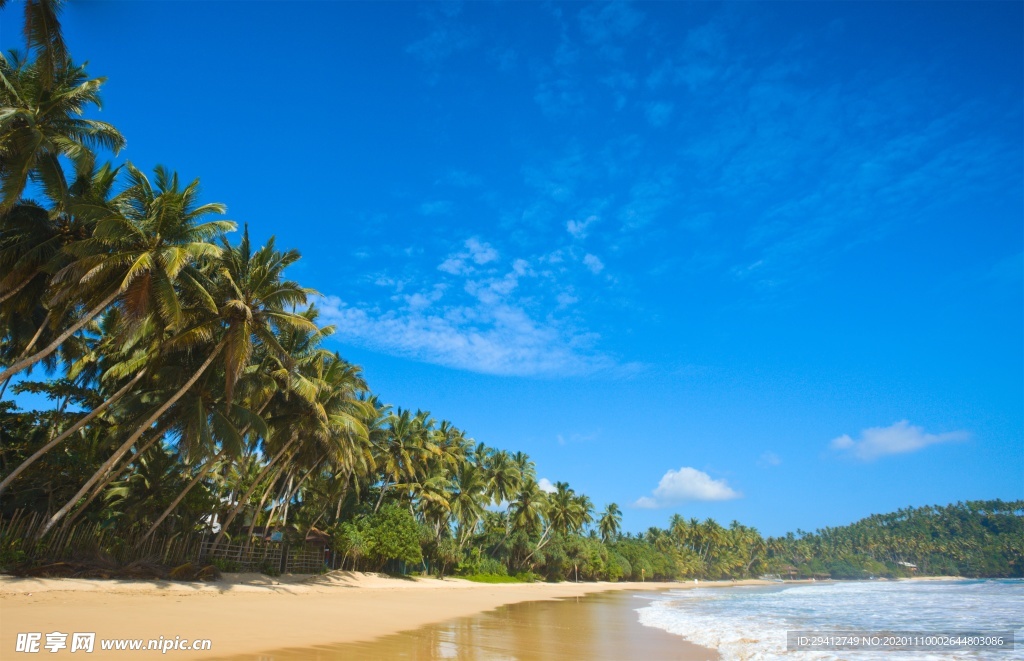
(188, 387)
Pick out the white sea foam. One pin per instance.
(751, 622)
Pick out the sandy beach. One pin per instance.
(249, 613)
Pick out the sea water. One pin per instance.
(751, 622)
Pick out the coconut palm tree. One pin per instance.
(44, 37)
(407, 445)
(41, 110)
(503, 476)
(609, 522)
(146, 242)
(467, 500)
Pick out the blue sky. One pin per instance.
(749, 261)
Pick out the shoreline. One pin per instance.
(251, 613)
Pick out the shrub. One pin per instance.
(225, 565)
(392, 534)
(491, 578)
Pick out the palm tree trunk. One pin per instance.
(114, 475)
(294, 491)
(25, 363)
(196, 480)
(344, 492)
(242, 500)
(35, 338)
(17, 288)
(184, 492)
(131, 440)
(71, 430)
(541, 543)
(273, 510)
(287, 499)
(380, 500)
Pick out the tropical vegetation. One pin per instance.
(180, 382)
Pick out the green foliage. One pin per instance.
(492, 578)
(225, 565)
(976, 539)
(392, 534)
(10, 555)
(476, 563)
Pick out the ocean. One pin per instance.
(752, 622)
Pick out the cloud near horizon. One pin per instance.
(685, 484)
(898, 438)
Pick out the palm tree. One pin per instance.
(468, 499)
(503, 476)
(43, 36)
(529, 507)
(32, 246)
(406, 446)
(149, 241)
(253, 298)
(609, 522)
(563, 511)
(41, 110)
(150, 238)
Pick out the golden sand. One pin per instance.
(248, 614)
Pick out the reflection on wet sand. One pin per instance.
(600, 626)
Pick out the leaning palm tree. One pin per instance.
(33, 242)
(146, 245)
(253, 301)
(145, 241)
(41, 121)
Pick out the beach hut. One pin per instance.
(317, 538)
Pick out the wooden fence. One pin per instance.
(19, 544)
(238, 556)
(265, 557)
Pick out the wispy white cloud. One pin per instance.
(578, 228)
(594, 263)
(898, 438)
(685, 484)
(489, 338)
(768, 459)
(546, 485)
(482, 253)
(475, 252)
(474, 317)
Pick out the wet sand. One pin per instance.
(597, 627)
